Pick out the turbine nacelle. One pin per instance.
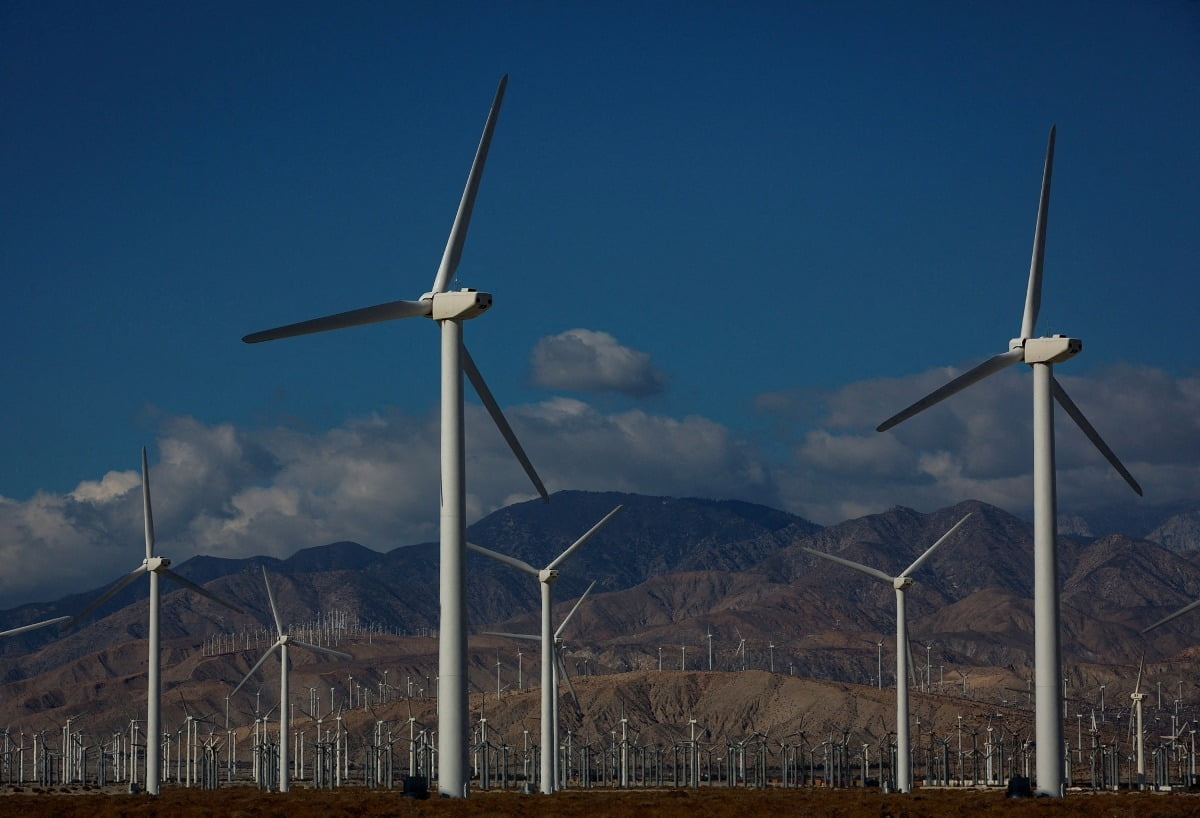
(902, 583)
(459, 305)
(1051, 350)
(156, 563)
(547, 575)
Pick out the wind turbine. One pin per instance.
(1041, 354)
(546, 578)
(901, 583)
(449, 310)
(153, 566)
(1137, 696)
(550, 677)
(282, 643)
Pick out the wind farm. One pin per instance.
(711, 256)
(801, 728)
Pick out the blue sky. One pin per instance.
(724, 243)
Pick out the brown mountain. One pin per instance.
(671, 573)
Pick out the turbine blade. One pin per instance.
(562, 669)
(561, 558)
(341, 320)
(928, 551)
(1033, 294)
(1137, 687)
(912, 667)
(485, 395)
(519, 564)
(462, 219)
(271, 599)
(339, 654)
(1064, 400)
(574, 608)
(147, 514)
(989, 367)
(1168, 618)
(871, 572)
(187, 583)
(257, 665)
(34, 626)
(116, 588)
(529, 636)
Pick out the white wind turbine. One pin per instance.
(546, 577)
(1041, 354)
(557, 668)
(901, 583)
(1137, 696)
(283, 642)
(153, 566)
(449, 310)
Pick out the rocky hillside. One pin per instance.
(677, 578)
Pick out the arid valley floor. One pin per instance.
(247, 802)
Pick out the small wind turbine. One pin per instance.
(1137, 696)
(282, 643)
(153, 566)
(552, 666)
(449, 310)
(901, 582)
(546, 577)
(1041, 354)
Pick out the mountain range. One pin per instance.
(674, 577)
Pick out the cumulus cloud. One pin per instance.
(979, 443)
(233, 492)
(584, 360)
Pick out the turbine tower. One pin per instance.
(1041, 354)
(449, 310)
(282, 643)
(546, 577)
(1137, 696)
(901, 582)
(153, 566)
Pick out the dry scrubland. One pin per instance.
(245, 802)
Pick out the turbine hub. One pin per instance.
(459, 305)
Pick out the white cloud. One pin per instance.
(233, 492)
(114, 484)
(978, 444)
(584, 360)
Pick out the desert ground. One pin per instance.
(248, 802)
